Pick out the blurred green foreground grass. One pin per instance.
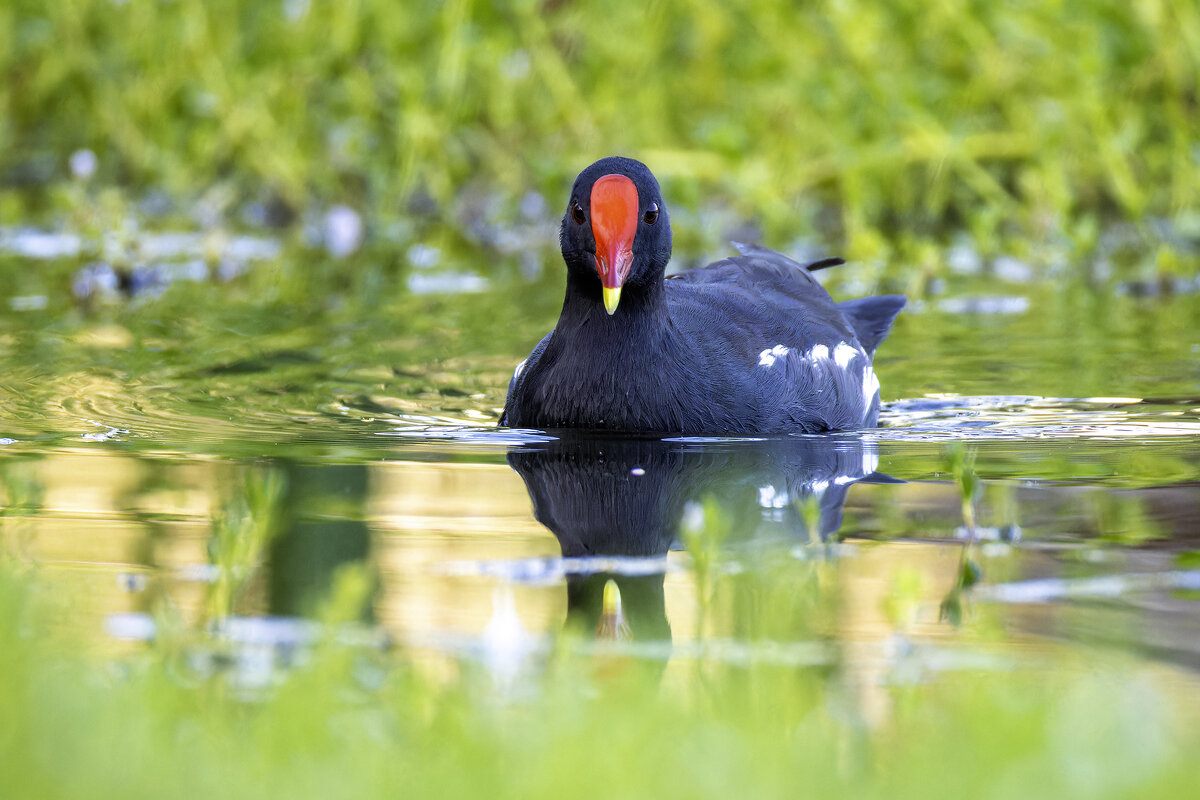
(885, 126)
(348, 723)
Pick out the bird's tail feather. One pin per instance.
(872, 317)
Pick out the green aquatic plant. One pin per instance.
(810, 512)
(23, 489)
(243, 527)
(704, 528)
(961, 464)
(1124, 518)
(22, 497)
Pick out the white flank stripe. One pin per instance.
(870, 386)
(843, 354)
(767, 357)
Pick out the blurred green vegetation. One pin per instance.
(358, 722)
(883, 129)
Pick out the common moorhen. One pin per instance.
(750, 344)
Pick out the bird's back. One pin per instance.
(792, 358)
(762, 292)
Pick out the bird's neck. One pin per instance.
(627, 371)
(641, 315)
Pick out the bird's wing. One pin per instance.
(770, 291)
(761, 268)
(792, 354)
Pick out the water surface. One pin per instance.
(227, 456)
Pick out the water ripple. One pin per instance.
(1027, 417)
(223, 411)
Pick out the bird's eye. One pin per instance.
(577, 213)
(651, 215)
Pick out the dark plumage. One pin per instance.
(606, 495)
(750, 344)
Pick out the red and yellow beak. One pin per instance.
(614, 224)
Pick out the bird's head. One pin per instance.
(616, 233)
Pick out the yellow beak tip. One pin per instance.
(611, 601)
(611, 298)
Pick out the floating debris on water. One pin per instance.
(198, 573)
(295, 10)
(131, 626)
(1164, 285)
(447, 283)
(133, 582)
(34, 302)
(1044, 590)
(533, 206)
(96, 280)
(551, 570)
(423, 256)
(998, 304)
(46, 245)
(1002, 533)
(343, 231)
(42, 245)
(82, 164)
(158, 259)
(963, 258)
(516, 65)
(1012, 269)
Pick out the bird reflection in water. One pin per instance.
(604, 497)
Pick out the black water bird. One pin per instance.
(749, 344)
